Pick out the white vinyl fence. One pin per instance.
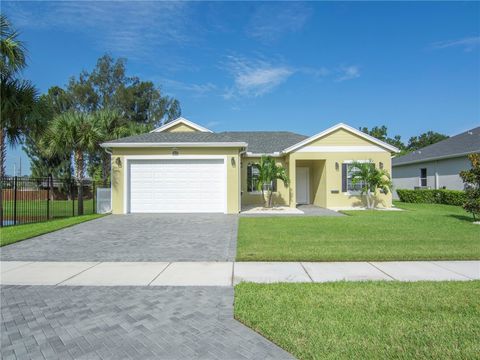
(104, 200)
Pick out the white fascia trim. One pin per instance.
(174, 144)
(341, 149)
(435, 158)
(181, 120)
(345, 127)
(250, 154)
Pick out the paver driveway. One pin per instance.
(90, 322)
(135, 237)
(126, 323)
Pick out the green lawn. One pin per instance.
(38, 208)
(421, 232)
(13, 234)
(366, 320)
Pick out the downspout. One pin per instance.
(242, 152)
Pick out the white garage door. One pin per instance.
(177, 186)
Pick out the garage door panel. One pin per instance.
(177, 185)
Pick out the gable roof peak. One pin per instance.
(345, 127)
(181, 120)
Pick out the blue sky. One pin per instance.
(413, 66)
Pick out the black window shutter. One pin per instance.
(249, 177)
(344, 177)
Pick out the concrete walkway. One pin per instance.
(227, 273)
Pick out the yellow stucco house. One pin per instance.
(184, 167)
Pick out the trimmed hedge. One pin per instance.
(441, 196)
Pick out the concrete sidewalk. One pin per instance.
(227, 273)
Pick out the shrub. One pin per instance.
(441, 196)
(471, 179)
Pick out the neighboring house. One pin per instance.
(437, 166)
(184, 167)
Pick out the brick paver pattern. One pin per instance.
(46, 322)
(135, 237)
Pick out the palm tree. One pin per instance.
(74, 133)
(269, 172)
(112, 125)
(18, 97)
(370, 180)
(12, 50)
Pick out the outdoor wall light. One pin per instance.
(118, 161)
(233, 161)
(174, 152)
(380, 164)
(337, 166)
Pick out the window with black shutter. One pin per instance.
(423, 177)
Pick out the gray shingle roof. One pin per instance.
(259, 142)
(467, 142)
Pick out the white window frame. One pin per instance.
(423, 178)
(349, 162)
(258, 192)
(253, 192)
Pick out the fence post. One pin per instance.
(72, 194)
(93, 197)
(1, 200)
(48, 195)
(15, 200)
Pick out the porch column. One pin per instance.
(292, 175)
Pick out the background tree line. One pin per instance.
(414, 143)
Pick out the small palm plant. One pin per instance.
(268, 172)
(371, 180)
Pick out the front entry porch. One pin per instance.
(310, 183)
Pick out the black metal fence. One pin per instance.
(27, 200)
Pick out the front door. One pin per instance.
(303, 185)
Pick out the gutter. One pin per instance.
(174, 144)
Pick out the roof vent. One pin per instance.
(470, 132)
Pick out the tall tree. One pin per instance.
(110, 125)
(108, 87)
(425, 139)
(380, 132)
(18, 96)
(73, 133)
(55, 102)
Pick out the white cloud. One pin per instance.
(125, 27)
(212, 124)
(348, 73)
(271, 20)
(195, 89)
(255, 77)
(468, 44)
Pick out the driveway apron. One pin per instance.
(135, 237)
